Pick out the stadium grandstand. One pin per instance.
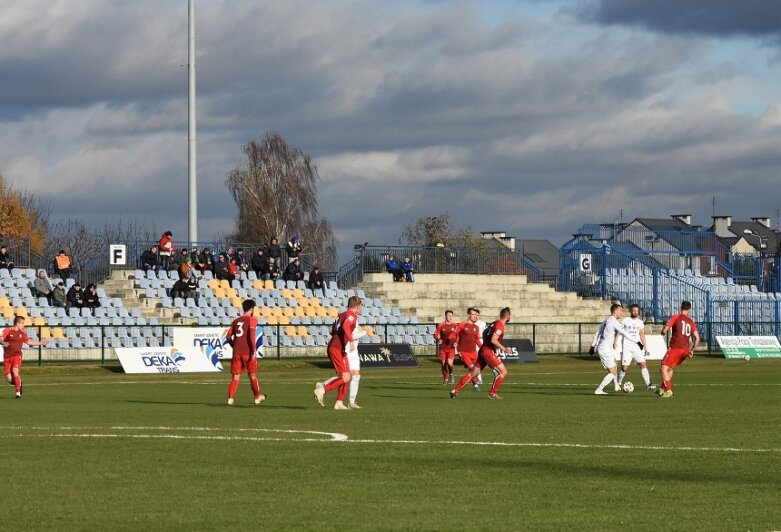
(729, 271)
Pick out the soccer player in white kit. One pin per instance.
(603, 342)
(355, 365)
(629, 347)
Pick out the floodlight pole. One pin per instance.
(191, 144)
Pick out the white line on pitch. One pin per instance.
(342, 438)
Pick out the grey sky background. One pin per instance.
(532, 117)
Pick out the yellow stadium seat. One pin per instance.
(57, 332)
(332, 312)
(298, 293)
(298, 312)
(230, 292)
(265, 312)
(276, 311)
(39, 322)
(310, 312)
(46, 333)
(4, 302)
(213, 284)
(302, 301)
(290, 330)
(288, 311)
(268, 284)
(224, 284)
(283, 320)
(302, 331)
(287, 293)
(21, 311)
(257, 284)
(272, 320)
(256, 312)
(314, 302)
(236, 302)
(219, 293)
(8, 312)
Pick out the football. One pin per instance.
(628, 387)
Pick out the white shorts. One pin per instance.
(354, 360)
(630, 353)
(607, 356)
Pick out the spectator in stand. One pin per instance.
(293, 271)
(259, 262)
(179, 257)
(409, 270)
(181, 288)
(149, 259)
(274, 250)
(316, 281)
(233, 267)
(42, 287)
(293, 248)
(222, 269)
(58, 295)
(186, 269)
(5, 259)
(271, 271)
(206, 260)
(241, 260)
(192, 283)
(90, 298)
(230, 253)
(62, 265)
(166, 249)
(392, 267)
(74, 297)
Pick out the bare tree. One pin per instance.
(440, 230)
(72, 235)
(276, 197)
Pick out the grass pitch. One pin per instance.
(91, 449)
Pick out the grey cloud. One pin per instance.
(759, 18)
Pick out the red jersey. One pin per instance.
(241, 335)
(682, 327)
(468, 337)
(495, 329)
(342, 331)
(446, 333)
(15, 340)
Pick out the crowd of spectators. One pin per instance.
(403, 272)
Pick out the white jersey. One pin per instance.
(352, 349)
(633, 326)
(606, 334)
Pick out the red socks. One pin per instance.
(232, 387)
(342, 391)
(255, 387)
(462, 382)
(497, 384)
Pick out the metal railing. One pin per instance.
(438, 260)
(547, 338)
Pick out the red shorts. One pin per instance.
(14, 361)
(240, 364)
(674, 357)
(340, 361)
(488, 358)
(446, 353)
(468, 359)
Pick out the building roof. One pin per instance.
(541, 253)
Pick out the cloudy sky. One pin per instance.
(532, 117)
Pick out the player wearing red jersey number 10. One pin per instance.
(342, 338)
(241, 337)
(683, 330)
(445, 336)
(12, 339)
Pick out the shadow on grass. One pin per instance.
(219, 405)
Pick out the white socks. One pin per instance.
(605, 381)
(354, 383)
(646, 376)
(621, 374)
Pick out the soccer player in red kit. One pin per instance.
(12, 339)
(683, 330)
(241, 337)
(445, 336)
(341, 337)
(468, 341)
(492, 341)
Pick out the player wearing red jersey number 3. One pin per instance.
(683, 331)
(241, 337)
(12, 339)
(445, 336)
(342, 336)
